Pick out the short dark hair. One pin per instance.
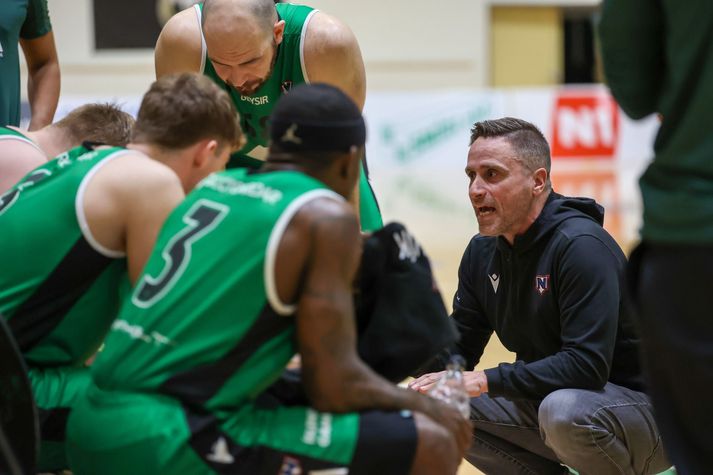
(528, 143)
(102, 123)
(181, 109)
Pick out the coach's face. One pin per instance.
(502, 190)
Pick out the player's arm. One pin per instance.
(315, 266)
(126, 204)
(178, 48)
(335, 378)
(332, 55)
(17, 159)
(43, 78)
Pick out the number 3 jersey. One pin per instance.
(58, 286)
(204, 323)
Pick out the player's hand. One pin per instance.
(451, 418)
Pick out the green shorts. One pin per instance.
(119, 433)
(55, 390)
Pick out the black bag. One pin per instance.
(402, 322)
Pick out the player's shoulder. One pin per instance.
(179, 45)
(327, 213)
(20, 147)
(135, 172)
(183, 23)
(328, 33)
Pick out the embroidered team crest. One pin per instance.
(542, 283)
(290, 466)
(286, 86)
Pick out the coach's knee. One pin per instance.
(436, 450)
(563, 421)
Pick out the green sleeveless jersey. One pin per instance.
(7, 133)
(58, 286)
(204, 323)
(255, 110)
(289, 69)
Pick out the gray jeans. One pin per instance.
(611, 431)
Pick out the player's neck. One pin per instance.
(50, 140)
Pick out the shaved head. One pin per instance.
(260, 13)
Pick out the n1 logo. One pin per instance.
(585, 125)
(202, 218)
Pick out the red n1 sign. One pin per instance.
(585, 125)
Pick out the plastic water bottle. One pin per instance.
(451, 387)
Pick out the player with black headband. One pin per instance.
(252, 268)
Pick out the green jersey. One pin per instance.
(27, 19)
(58, 287)
(255, 109)
(289, 69)
(204, 323)
(7, 133)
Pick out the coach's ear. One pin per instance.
(539, 181)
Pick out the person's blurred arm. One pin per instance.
(178, 48)
(43, 82)
(332, 56)
(633, 54)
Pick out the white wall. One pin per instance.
(406, 44)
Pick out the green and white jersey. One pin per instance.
(7, 133)
(58, 285)
(289, 70)
(205, 324)
(27, 19)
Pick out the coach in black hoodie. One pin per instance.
(545, 276)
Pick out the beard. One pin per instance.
(250, 88)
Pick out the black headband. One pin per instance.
(329, 136)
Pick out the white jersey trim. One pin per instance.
(23, 139)
(274, 243)
(82, 217)
(204, 48)
(303, 35)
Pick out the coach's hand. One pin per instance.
(476, 383)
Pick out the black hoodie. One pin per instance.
(555, 299)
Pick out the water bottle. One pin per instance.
(451, 387)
